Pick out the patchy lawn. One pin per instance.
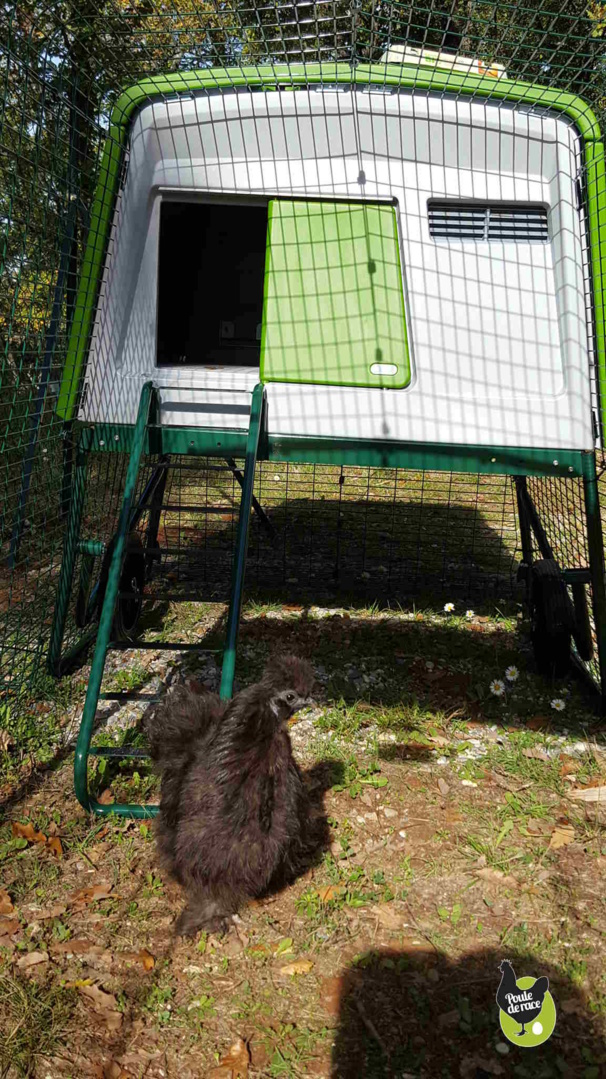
(455, 843)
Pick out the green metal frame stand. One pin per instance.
(144, 427)
(148, 436)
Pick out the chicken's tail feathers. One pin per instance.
(541, 985)
(174, 728)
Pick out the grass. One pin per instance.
(405, 717)
(35, 1023)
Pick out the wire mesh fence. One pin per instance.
(64, 66)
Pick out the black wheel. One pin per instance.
(582, 624)
(552, 619)
(132, 582)
(152, 557)
(91, 592)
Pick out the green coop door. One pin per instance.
(334, 297)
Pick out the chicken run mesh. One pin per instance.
(367, 533)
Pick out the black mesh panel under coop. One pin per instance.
(327, 533)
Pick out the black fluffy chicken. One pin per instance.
(523, 1005)
(234, 815)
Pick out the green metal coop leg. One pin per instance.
(68, 562)
(228, 669)
(106, 620)
(595, 545)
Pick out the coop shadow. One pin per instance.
(361, 549)
(412, 1011)
(428, 664)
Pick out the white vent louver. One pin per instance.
(515, 222)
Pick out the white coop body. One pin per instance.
(498, 329)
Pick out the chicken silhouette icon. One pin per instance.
(522, 1002)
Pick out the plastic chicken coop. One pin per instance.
(344, 241)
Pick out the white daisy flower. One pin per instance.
(558, 704)
(497, 687)
(512, 674)
(469, 614)
(448, 607)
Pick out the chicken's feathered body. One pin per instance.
(235, 814)
(176, 734)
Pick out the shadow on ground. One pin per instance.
(415, 1012)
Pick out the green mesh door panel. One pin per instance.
(334, 297)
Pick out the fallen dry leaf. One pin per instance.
(538, 723)
(333, 891)
(104, 1004)
(78, 946)
(8, 926)
(106, 797)
(300, 966)
(6, 740)
(51, 912)
(536, 754)
(561, 836)
(495, 876)
(536, 827)
(438, 740)
(113, 1070)
(6, 905)
(54, 846)
(143, 957)
(387, 916)
(79, 982)
(234, 1063)
(588, 794)
(27, 831)
(32, 959)
(84, 896)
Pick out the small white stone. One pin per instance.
(502, 1048)
(390, 812)
(402, 833)
(442, 760)
(468, 783)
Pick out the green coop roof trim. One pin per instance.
(279, 76)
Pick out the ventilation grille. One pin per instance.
(515, 222)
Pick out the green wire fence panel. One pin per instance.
(75, 76)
